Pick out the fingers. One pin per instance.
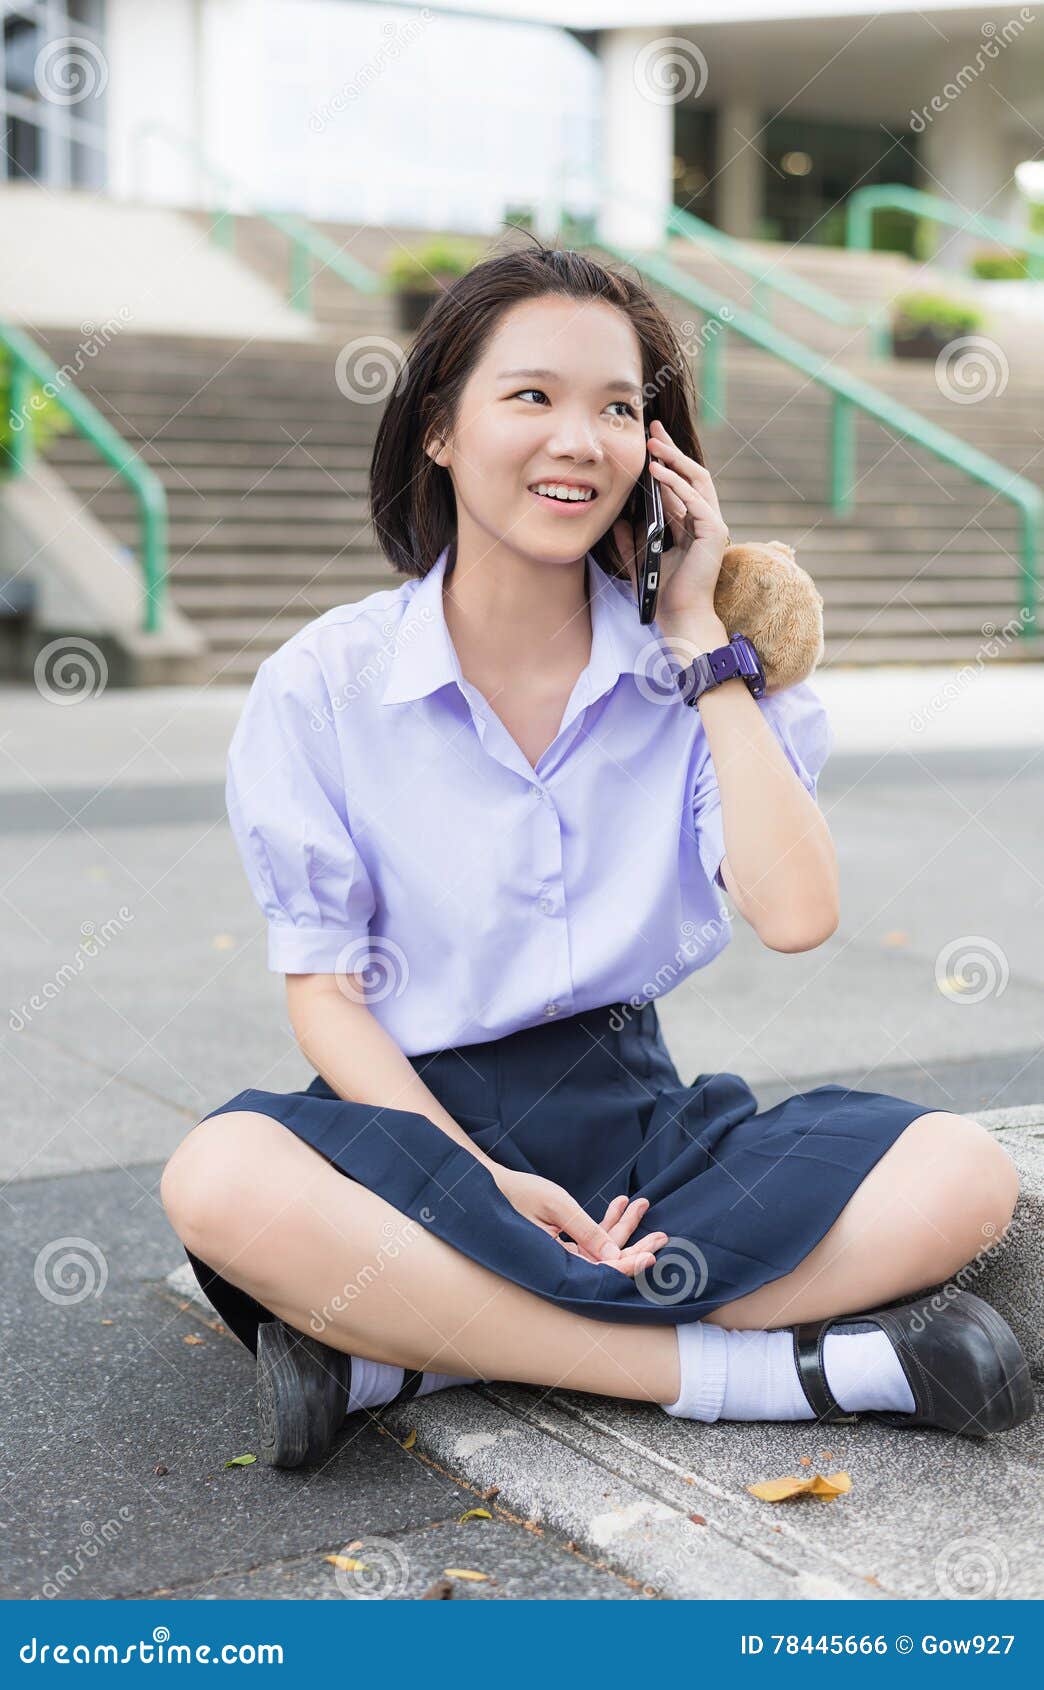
(629, 1216)
(620, 1219)
(591, 1237)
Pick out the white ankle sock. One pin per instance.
(741, 1375)
(374, 1383)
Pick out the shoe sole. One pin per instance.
(293, 1408)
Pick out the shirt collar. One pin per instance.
(424, 657)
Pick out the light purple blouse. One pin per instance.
(390, 826)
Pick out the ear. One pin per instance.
(437, 450)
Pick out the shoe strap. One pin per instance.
(411, 1384)
(808, 1359)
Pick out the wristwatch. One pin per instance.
(710, 668)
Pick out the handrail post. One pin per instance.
(880, 333)
(1029, 541)
(153, 557)
(22, 447)
(842, 441)
(223, 228)
(300, 294)
(859, 214)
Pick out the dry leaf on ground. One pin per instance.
(828, 1487)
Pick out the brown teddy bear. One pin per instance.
(761, 591)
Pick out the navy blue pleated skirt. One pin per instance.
(594, 1102)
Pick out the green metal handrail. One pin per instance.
(305, 243)
(850, 393)
(731, 250)
(28, 364)
(815, 299)
(863, 202)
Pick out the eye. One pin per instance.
(628, 407)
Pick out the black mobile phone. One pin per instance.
(649, 531)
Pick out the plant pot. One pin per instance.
(925, 342)
(412, 304)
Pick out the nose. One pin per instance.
(576, 436)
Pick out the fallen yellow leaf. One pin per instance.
(241, 1461)
(828, 1487)
(410, 1439)
(190, 1338)
(475, 1514)
(347, 1563)
(463, 1573)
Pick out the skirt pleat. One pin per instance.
(595, 1103)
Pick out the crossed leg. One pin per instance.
(309, 1243)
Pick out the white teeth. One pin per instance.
(554, 491)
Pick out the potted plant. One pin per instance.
(42, 416)
(1000, 267)
(416, 278)
(924, 323)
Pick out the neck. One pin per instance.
(507, 612)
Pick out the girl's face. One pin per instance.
(554, 402)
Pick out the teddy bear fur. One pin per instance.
(764, 593)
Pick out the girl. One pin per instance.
(487, 830)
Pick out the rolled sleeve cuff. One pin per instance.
(317, 950)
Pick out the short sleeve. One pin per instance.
(798, 718)
(286, 803)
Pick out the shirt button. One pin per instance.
(550, 1009)
(542, 793)
(546, 906)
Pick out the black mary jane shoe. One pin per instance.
(962, 1361)
(302, 1394)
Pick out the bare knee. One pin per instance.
(964, 1189)
(223, 1176)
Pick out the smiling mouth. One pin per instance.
(567, 498)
